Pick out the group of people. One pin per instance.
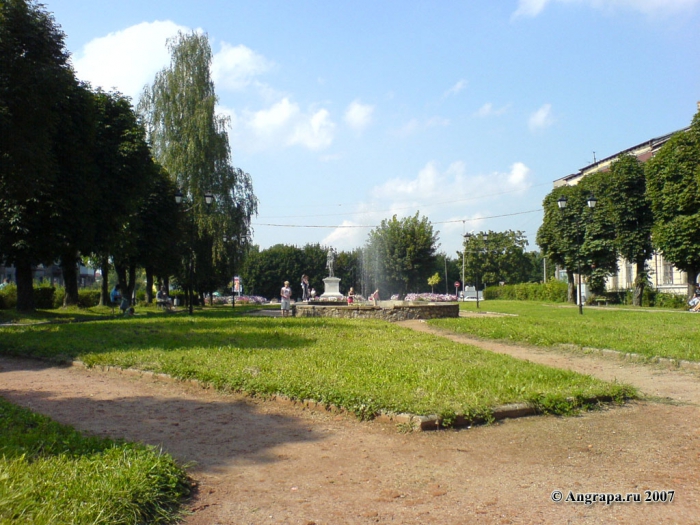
(309, 294)
(116, 298)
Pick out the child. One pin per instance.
(351, 295)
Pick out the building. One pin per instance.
(50, 273)
(664, 276)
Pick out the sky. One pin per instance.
(347, 113)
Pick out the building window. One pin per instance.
(629, 274)
(668, 273)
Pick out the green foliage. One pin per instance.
(433, 281)
(44, 296)
(190, 141)
(402, 254)
(53, 475)
(362, 366)
(501, 258)
(8, 296)
(88, 298)
(673, 188)
(553, 290)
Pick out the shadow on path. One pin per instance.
(192, 424)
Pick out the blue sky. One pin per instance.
(345, 113)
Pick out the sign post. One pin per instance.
(457, 285)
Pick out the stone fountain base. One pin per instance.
(385, 310)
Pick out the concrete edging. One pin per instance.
(421, 423)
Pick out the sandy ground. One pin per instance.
(261, 461)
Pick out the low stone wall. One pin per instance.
(396, 311)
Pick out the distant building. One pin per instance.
(664, 276)
(50, 273)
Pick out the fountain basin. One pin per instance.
(384, 310)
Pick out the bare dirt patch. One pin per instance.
(259, 461)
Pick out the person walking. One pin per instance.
(286, 299)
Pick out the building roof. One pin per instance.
(643, 151)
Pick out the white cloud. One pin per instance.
(434, 190)
(314, 132)
(235, 67)
(432, 186)
(414, 125)
(358, 116)
(459, 86)
(127, 60)
(542, 118)
(346, 237)
(487, 110)
(532, 8)
(283, 124)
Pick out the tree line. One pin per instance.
(83, 175)
(400, 256)
(640, 208)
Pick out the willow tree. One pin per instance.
(190, 141)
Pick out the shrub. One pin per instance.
(553, 290)
(8, 296)
(44, 296)
(88, 297)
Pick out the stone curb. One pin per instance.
(631, 356)
(421, 423)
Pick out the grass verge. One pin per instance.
(51, 474)
(363, 366)
(644, 331)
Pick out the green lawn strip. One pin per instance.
(362, 366)
(51, 474)
(646, 332)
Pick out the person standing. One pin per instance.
(305, 288)
(351, 295)
(286, 299)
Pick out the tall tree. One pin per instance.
(190, 141)
(622, 198)
(35, 79)
(402, 253)
(673, 187)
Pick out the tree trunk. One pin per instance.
(104, 290)
(692, 285)
(70, 277)
(25, 286)
(640, 282)
(149, 284)
(571, 292)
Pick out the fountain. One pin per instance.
(333, 304)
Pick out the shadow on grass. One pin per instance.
(212, 432)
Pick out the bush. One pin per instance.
(44, 296)
(8, 296)
(553, 290)
(88, 297)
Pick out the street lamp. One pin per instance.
(591, 202)
(179, 199)
(485, 237)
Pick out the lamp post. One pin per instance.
(485, 237)
(179, 199)
(591, 202)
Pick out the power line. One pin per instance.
(376, 226)
(442, 203)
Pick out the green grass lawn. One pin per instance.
(649, 332)
(361, 365)
(52, 475)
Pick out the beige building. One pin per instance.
(664, 276)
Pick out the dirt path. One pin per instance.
(265, 462)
